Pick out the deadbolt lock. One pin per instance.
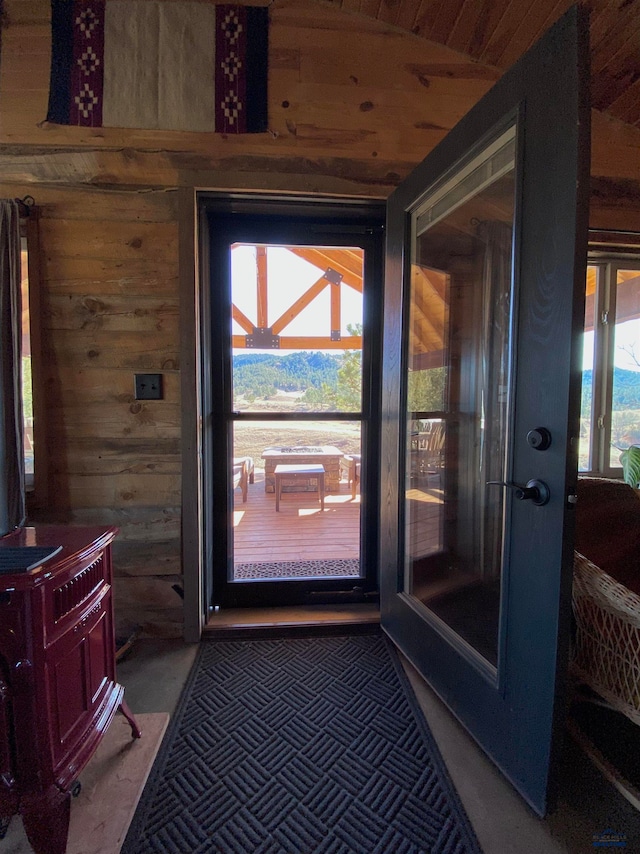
(539, 438)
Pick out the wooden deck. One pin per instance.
(299, 530)
(424, 520)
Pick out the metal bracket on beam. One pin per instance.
(333, 276)
(335, 335)
(262, 338)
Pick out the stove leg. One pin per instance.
(136, 732)
(46, 822)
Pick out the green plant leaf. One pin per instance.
(630, 460)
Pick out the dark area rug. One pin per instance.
(299, 745)
(339, 568)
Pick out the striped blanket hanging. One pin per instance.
(159, 65)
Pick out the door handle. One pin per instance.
(535, 490)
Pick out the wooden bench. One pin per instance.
(299, 472)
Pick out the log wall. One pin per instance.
(353, 104)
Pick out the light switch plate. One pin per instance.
(148, 386)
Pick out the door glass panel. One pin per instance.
(625, 398)
(457, 442)
(297, 328)
(300, 540)
(297, 325)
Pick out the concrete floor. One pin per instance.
(155, 670)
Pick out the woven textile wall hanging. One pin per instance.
(159, 65)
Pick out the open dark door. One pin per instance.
(484, 304)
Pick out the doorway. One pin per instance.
(506, 685)
(292, 385)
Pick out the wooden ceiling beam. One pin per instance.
(350, 261)
(262, 279)
(431, 303)
(433, 279)
(336, 304)
(349, 264)
(425, 330)
(614, 157)
(241, 319)
(313, 342)
(164, 169)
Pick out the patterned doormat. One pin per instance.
(299, 746)
(339, 568)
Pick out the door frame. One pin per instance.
(198, 536)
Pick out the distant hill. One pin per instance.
(261, 374)
(626, 386)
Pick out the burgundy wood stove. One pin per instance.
(58, 689)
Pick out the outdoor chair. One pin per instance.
(431, 450)
(243, 475)
(350, 470)
(249, 466)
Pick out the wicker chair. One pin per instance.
(607, 643)
(606, 587)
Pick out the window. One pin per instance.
(610, 407)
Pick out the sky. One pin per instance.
(627, 341)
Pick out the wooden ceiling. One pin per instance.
(498, 32)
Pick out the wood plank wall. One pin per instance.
(109, 295)
(353, 105)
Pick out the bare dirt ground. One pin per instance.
(251, 439)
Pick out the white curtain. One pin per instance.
(12, 493)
